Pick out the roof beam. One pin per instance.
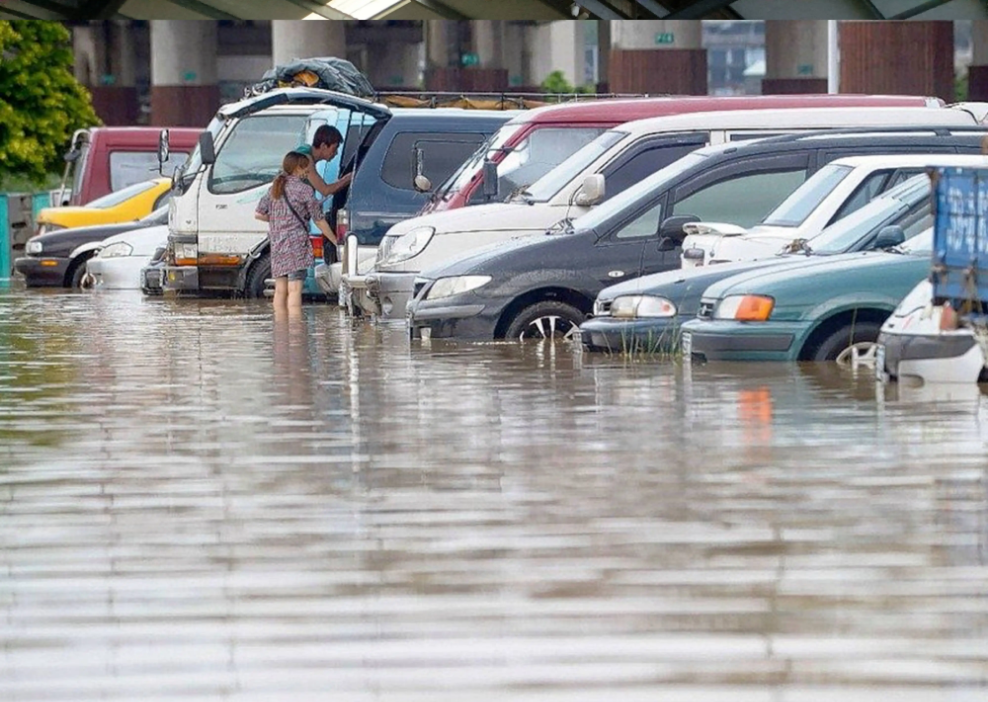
(64, 10)
(439, 8)
(601, 9)
(98, 9)
(203, 9)
(871, 9)
(699, 9)
(919, 9)
(654, 7)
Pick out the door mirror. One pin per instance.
(889, 236)
(207, 151)
(72, 156)
(421, 183)
(489, 175)
(591, 192)
(671, 232)
(163, 150)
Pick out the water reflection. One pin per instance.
(199, 502)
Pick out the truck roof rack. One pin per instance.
(491, 100)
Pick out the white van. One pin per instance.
(835, 191)
(619, 157)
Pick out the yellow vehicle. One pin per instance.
(124, 205)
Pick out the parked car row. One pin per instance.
(765, 228)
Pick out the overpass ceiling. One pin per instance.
(492, 9)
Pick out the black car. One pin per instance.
(545, 285)
(49, 261)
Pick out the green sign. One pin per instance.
(107, 79)
(804, 69)
(665, 38)
(470, 59)
(189, 76)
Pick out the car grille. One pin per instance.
(706, 310)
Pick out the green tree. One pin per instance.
(41, 102)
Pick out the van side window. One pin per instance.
(129, 167)
(252, 154)
(865, 193)
(741, 193)
(441, 155)
(643, 164)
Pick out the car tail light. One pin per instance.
(317, 244)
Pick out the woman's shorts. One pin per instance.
(299, 275)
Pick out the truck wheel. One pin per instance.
(259, 272)
(845, 338)
(550, 320)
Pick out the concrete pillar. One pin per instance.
(977, 72)
(558, 46)
(439, 36)
(291, 39)
(394, 65)
(901, 58)
(657, 56)
(488, 42)
(603, 56)
(184, 92)
(105, 62)
(795, 57)
(517, 55)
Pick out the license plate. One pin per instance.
(687, 345)
(880, 362)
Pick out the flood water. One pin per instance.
(197, 503)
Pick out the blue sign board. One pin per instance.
(960, 234)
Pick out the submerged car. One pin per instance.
(125, 205)
(120, 259)
(644, 315)
(820, 309)
(58, 258)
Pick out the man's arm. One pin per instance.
(324, 188)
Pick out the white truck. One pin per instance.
(618, 158)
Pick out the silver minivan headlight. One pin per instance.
(409, 245)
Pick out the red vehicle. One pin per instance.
(530, 145)
(102, 160)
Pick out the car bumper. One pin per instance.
(950, 357)
(42, 271)
(470, 321)
(740, 341)
(391, 292)
(151, 280)
(630, 335)
(180, 279)
(120, 273)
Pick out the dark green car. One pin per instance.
(818, 309)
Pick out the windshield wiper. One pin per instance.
(798, 246)
(521, 193)
(563, 226)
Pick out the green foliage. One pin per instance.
(960, 87)
(556, 82)
(41, 103)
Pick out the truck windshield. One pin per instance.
(78, 167)
(253, 152)
(194, 162)
(556, 179)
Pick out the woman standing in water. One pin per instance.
(287, 208)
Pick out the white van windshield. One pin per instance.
(629, 201)
(546, 187)
(806, 198)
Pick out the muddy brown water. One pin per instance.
(198, 503)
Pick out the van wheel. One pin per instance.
(259, 272)
(550, 320)
(76, 273)
(846, 340)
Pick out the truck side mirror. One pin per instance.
(207, 150)
(887, 237)
(592, 190)
(671, 232)
(489, 176)
(163, 150)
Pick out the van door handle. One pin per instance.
(221, 207)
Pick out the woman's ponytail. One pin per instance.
(278, 186)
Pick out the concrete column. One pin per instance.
(603, 56)
(291, 39)
(438, 38)
(105, 63)
(795, 57)
(977, 72)
(517, 55)
(916, 58)
(488, 42)
(184, 92)
(558, 46)
(657, 56)
(394, 65)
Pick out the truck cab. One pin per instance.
(101, 160)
